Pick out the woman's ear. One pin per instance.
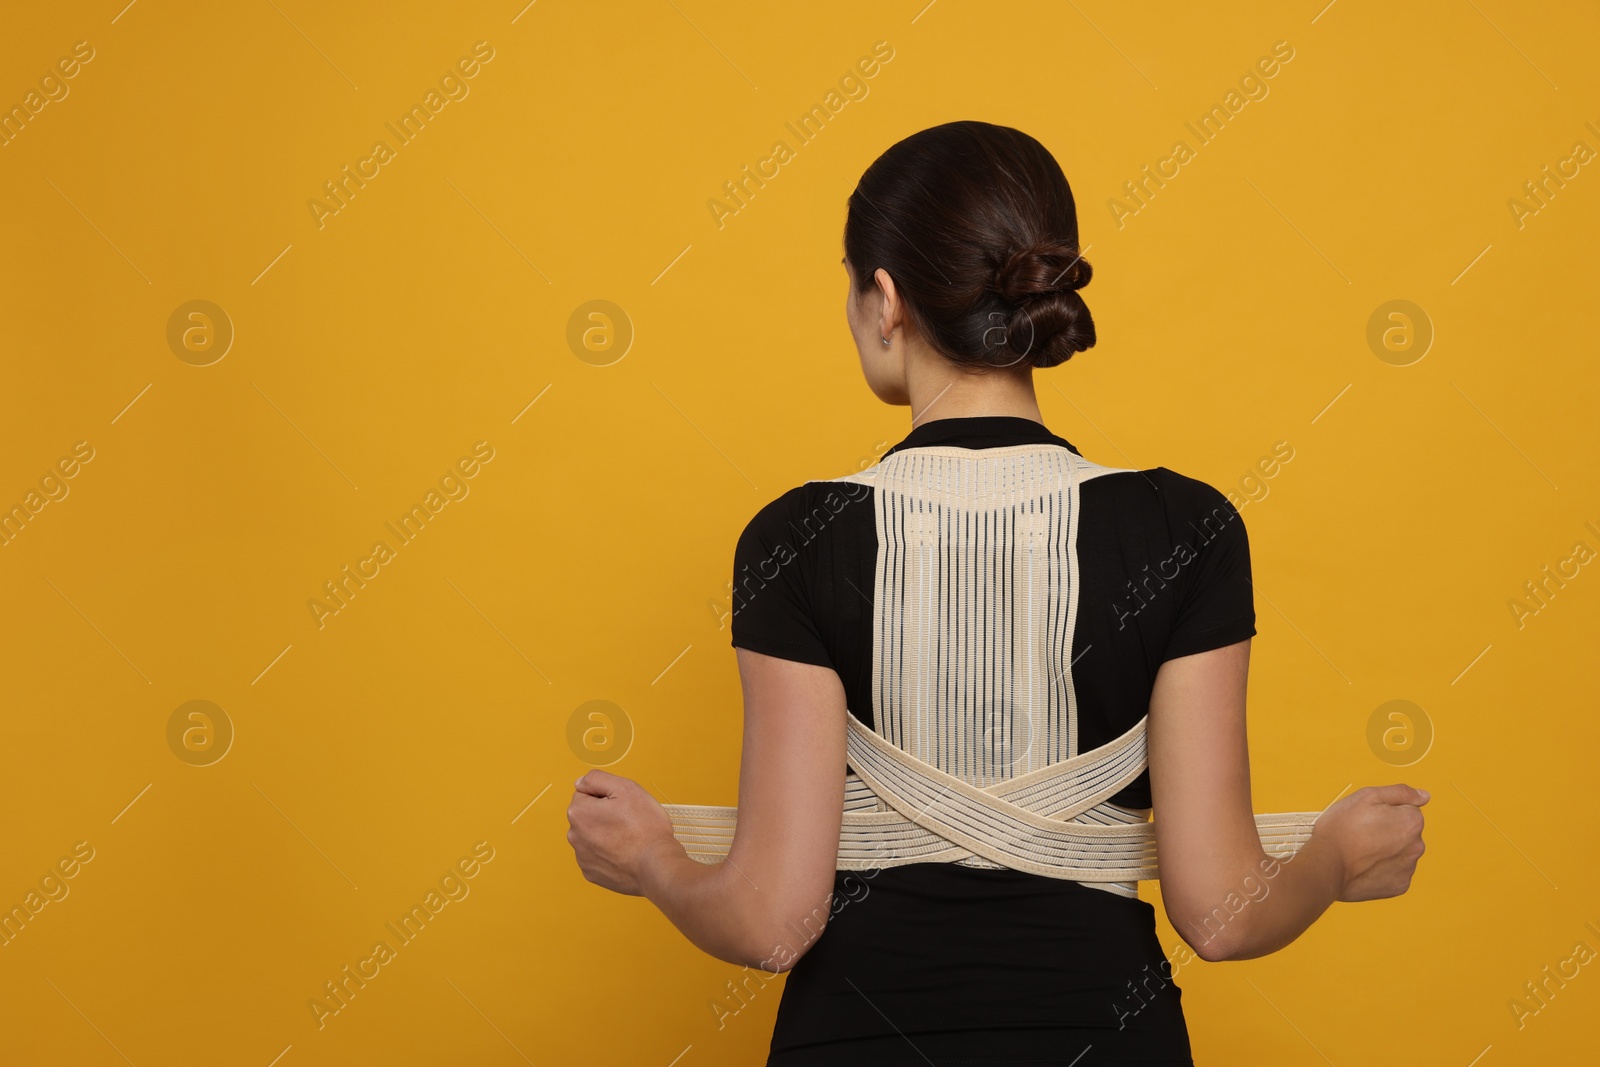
(890, 311)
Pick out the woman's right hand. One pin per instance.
(1377, 833)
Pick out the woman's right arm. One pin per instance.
(1224, 895)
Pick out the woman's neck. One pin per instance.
(938, 390)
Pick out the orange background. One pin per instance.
(374, 346)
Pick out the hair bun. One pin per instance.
(1047, 320)
(1029, 273)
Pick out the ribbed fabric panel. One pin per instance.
(976, 598)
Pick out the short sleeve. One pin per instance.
(771, 605)
(1216, 600)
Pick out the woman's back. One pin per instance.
(983, 623)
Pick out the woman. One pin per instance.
(990, 617)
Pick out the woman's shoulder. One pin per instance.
(1172, 485)
(813, 500)
(1159, 497)
(1191, 495)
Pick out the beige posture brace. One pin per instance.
(975, 760)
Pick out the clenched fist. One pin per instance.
(616, 828)
(1377, 833)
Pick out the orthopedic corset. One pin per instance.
(975, 760)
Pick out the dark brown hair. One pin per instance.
(977, 226)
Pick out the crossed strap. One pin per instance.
(1056, 821)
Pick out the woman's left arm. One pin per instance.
(768, 902)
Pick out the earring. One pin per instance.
(885, 340)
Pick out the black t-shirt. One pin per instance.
(931, 948)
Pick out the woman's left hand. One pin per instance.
(617, 830)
